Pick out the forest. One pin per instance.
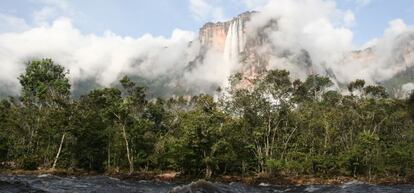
(270, 125)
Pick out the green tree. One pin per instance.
(4, 139)
(200, 129)
(356, 85)
(410, 103)
(375, 91)
(44, 83)
(95, 130)
(46, 92)
(130, 112)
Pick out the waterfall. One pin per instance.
(234, 44)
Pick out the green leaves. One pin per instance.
(312, 89)
(356, 85)
(375, 91)
(410, 103)
(266, 123)
(44, 83)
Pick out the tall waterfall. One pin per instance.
(234, 44)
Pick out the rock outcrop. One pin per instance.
(230, 34)
(251, 54)
(202, 187)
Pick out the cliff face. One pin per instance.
(247, 53)
(214, 35)
(223, 34)
(401, 57)
(251, 54)
(231, 40)
(239, 50)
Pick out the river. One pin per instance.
(103, 184)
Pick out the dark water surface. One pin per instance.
(103, 184)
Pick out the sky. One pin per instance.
(135, 18)
(102, 40)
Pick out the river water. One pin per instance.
(103, 184)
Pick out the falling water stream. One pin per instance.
(235, 42)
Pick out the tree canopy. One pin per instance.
(276, 126)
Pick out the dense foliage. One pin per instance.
(269, 124)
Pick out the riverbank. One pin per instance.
(176, 177)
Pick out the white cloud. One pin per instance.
(324, 31)
(349, 18)
(394, 29)
(199, 8)
(369, 44)
(317, 26)
(51, 10)
(388, 56)
(42, 16)
(202, 10)
(396, 26)
(309, 25)
(9, 23)
(103, 58)
(409, 87)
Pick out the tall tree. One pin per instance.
(130, 111)
(46, 90)
(410, 102)
(96, 129)
(356, 85)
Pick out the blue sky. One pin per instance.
(160, 17)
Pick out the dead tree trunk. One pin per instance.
(130, 159)
(60, 149)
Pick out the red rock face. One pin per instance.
(230, 39)
(252, 53)
(366, 55)
(213, 35)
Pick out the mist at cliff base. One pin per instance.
(318, 27)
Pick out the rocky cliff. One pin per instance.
(238, 49)
(252, 54)
(225, 35)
